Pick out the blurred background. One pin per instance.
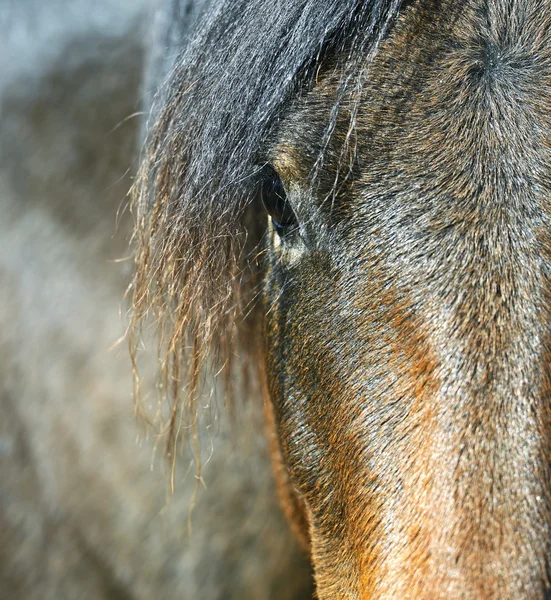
(84, 507)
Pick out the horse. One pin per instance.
(85, 510)
(346, 202)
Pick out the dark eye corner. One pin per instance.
(274, 199)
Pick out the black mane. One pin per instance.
(245, 60)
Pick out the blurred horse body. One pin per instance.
(82, 513)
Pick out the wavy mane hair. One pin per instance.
(198, 232)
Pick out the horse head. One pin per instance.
(353, 196)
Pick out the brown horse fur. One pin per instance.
(405, 316)
(82, 513)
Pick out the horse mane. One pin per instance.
(197, 236)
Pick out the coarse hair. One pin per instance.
(197, 264)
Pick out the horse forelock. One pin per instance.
(197, 241)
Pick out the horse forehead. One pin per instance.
(456, 87)
(474, 80)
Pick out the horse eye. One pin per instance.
(275, 202)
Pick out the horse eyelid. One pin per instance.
(275, 201)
